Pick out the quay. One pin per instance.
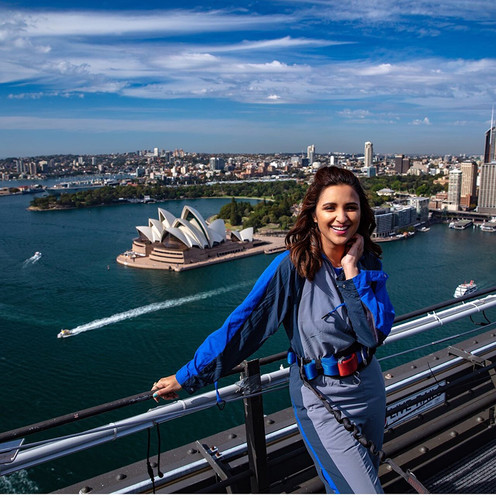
(262, 244)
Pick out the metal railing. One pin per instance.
(250, 390)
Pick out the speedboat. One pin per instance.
(37, 254)
(64, 333)
(465, 289)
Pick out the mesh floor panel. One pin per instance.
(475, 473)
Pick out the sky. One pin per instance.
(412, 77)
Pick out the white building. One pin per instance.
(369, 154)
(454, 189)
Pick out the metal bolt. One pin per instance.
(413, 367)
(192, 451)
(232, 436)
(85, 489)
(120, 477)
(270, 421)
(480, 419)
(453, 434)
(423, 449)
(388, 376)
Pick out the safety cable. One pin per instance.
(148, 465)
(362, 439)
(160, 473)
(435, 342)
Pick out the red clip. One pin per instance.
(348, 365)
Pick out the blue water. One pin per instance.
(136, 326)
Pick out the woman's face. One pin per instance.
(337, 215)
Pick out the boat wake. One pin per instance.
(35, 258)
(157, 306)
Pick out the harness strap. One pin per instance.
(355, 431)
(338, 365)
(408, 476)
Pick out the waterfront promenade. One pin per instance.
(266, 244)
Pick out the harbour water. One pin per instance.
(135, 326)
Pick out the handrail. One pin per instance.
(398, 332)
(446, 303)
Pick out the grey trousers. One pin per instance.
(343, 464)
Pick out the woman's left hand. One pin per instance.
(352, 256)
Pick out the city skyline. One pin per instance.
(410, 77)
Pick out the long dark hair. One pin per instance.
(303, 240)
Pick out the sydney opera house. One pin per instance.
(170, 242)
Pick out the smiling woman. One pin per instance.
(335, 318)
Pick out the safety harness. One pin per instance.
(342, 366)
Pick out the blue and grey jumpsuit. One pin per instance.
(323, 318)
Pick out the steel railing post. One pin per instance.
(255, 428)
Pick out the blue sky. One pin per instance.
(247, 76)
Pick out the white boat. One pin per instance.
(424, 229)
(460, 224)
(37, 254)
(465, 289)
(489, 226)
(64, 333)
(73, 187)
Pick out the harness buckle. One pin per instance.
(347, 365)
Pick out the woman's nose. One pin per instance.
(341, 215)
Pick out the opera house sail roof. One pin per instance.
(191, 229)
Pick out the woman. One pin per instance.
(329, 292)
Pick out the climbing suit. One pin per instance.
(327, 319)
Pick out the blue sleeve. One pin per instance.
(243, 332)
(371, 287)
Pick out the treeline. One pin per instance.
(412, 184)
(279, 198)
(110, 195)
(279, 212)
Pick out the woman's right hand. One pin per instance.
(166, 388)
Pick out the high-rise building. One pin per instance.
(487, 189)
(369, 154)
(401, 164)
(469, 183)
(487, 184)
(489, 148)
(311, 153)
(454, 189)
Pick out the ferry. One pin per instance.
(465, 289)
(460, 224)
(440, 430)
(74, 187)
(489, 226)
(64, 333)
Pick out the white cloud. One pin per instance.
(388, 11)
(425, 121)
(161, 23)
